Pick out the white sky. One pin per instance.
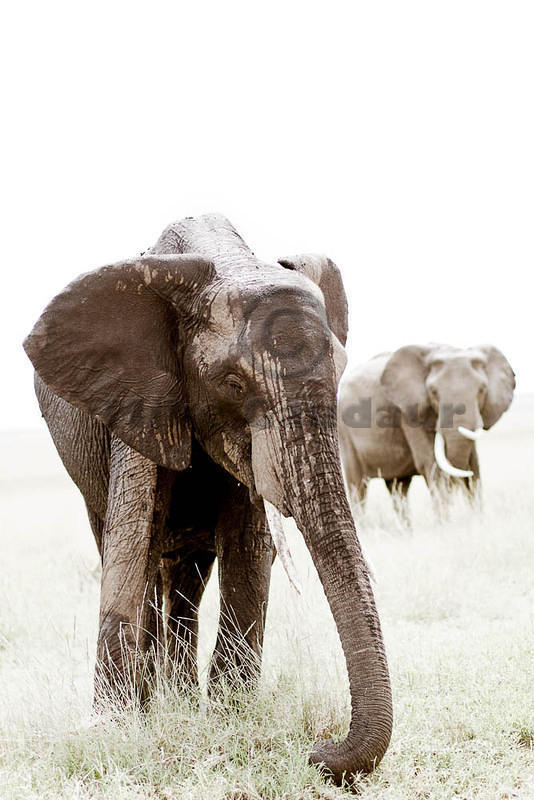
(397, 137)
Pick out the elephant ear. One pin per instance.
(322, 271)
(404, 377)
(501, 385)
(110, 344)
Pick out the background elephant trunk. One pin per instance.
(458, 448)
(304, 449)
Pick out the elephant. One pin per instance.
(419, 411)
(191, 393)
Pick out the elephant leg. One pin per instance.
(137, 506)
(183, 580)
(245, 553)
(398, 489)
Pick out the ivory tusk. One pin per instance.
(469, 434)
(443, 462)
(274, 519)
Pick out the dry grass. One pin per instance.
(456, 600)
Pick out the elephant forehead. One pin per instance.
(282, 300)
(265, 277)
(474, 354)
(456, 377)
(456, 355)
(246, 311)
(225, 313)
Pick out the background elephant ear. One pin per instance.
(322, 271)
(110, 344)
(404, 377)
(501, 385)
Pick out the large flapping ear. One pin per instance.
(501, 385)
(322, 271)
(110, 344)
(404, 377)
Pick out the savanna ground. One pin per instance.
(456, 600)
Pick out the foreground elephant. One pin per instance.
(188, 390)
(419, 411)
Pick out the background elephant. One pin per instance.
(186, 390)
(419, 411)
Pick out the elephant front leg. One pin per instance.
(245, 554)
(137, 503)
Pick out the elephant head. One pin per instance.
(454, 392)
(199, 339)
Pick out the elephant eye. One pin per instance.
(234, 386)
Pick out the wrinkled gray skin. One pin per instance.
(180, 391)
(451, 388)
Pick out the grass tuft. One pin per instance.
(524, 737)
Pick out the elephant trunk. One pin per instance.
(455, 440)
(452, 450)
(312, 491)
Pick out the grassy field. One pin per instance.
(456, 599)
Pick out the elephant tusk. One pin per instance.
(443, 462)
(468, 433)
(274, 519)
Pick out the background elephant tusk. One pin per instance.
(469, 434)
(442, 461)
(274, 519)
